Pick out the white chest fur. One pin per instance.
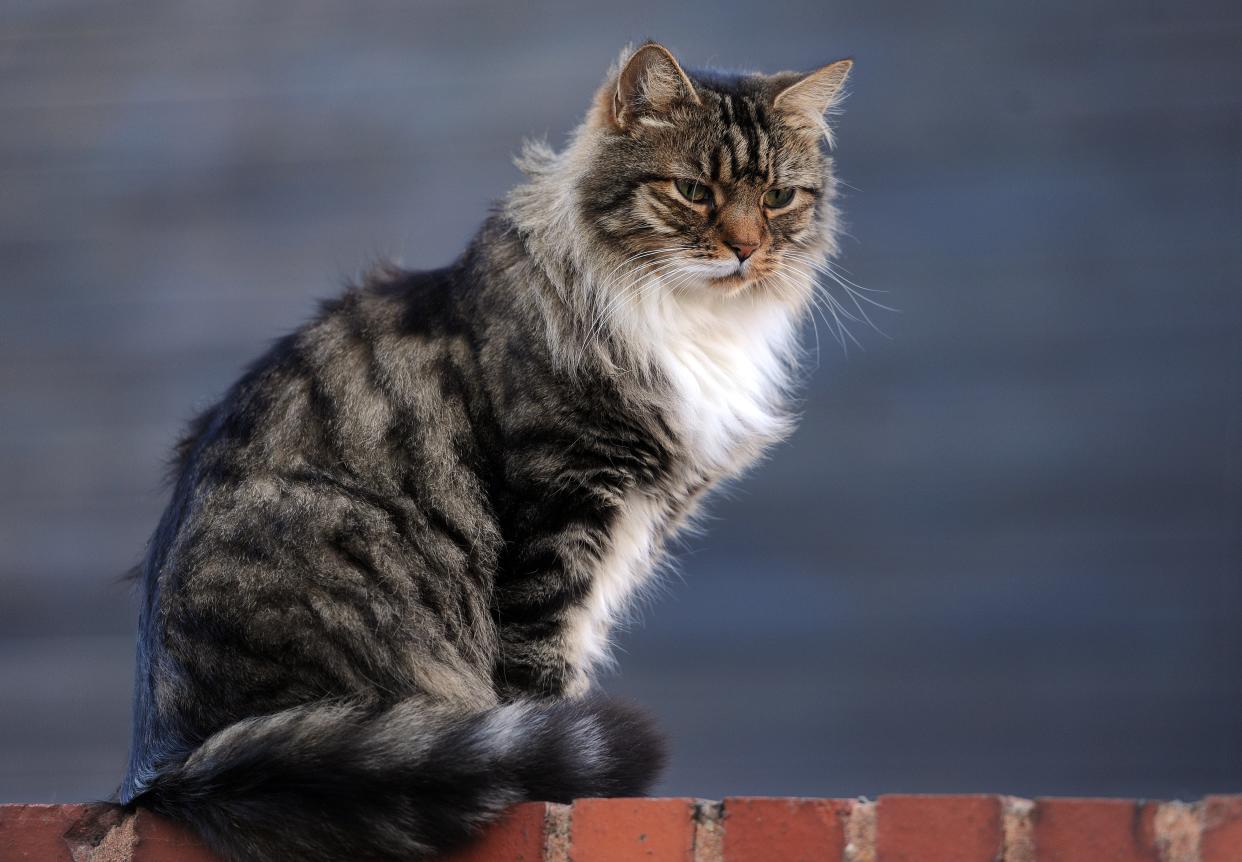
(629, 561)
(728, 365)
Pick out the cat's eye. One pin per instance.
(693, 191)
(774, 199)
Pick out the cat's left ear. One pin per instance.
(650, 82)
(810, 96)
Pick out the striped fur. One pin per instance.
(397, 546)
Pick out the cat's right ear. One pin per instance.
(648, 84)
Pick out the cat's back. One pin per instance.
(303, 402)
(303, 506)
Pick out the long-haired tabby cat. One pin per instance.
(395, 548)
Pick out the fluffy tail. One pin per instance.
(325, 782)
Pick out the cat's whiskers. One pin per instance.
(605, 284)
(779, 273)
(637, 280)
(840, 270)
(783, 273)
(826, 304)
(826, 267)
(825, 300)
(854, 297)
(665, 278)
(681, 277)
(642, 254)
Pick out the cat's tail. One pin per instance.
(327, 782)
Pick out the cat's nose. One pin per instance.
(743, 250)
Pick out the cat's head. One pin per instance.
(716, 182)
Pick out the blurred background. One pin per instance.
(1003, 551)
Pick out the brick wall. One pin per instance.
(742, 829)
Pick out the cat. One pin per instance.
(395, 549)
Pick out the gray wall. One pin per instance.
(1002, 553)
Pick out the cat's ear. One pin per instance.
(650, 82)
(809, 97)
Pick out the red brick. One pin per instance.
(1222, 829)
(627, 830)
(938, 829)
(54, 832)
(516, 837)
(34, 832)
(1094, 830)
(161, 840)
(764, 829)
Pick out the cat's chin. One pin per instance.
(732, 281)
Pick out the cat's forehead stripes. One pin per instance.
(745, 145)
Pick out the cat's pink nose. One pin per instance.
(742, 250)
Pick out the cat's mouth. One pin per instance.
(731, 275)
(742, 273)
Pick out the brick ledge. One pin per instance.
(740, 829)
